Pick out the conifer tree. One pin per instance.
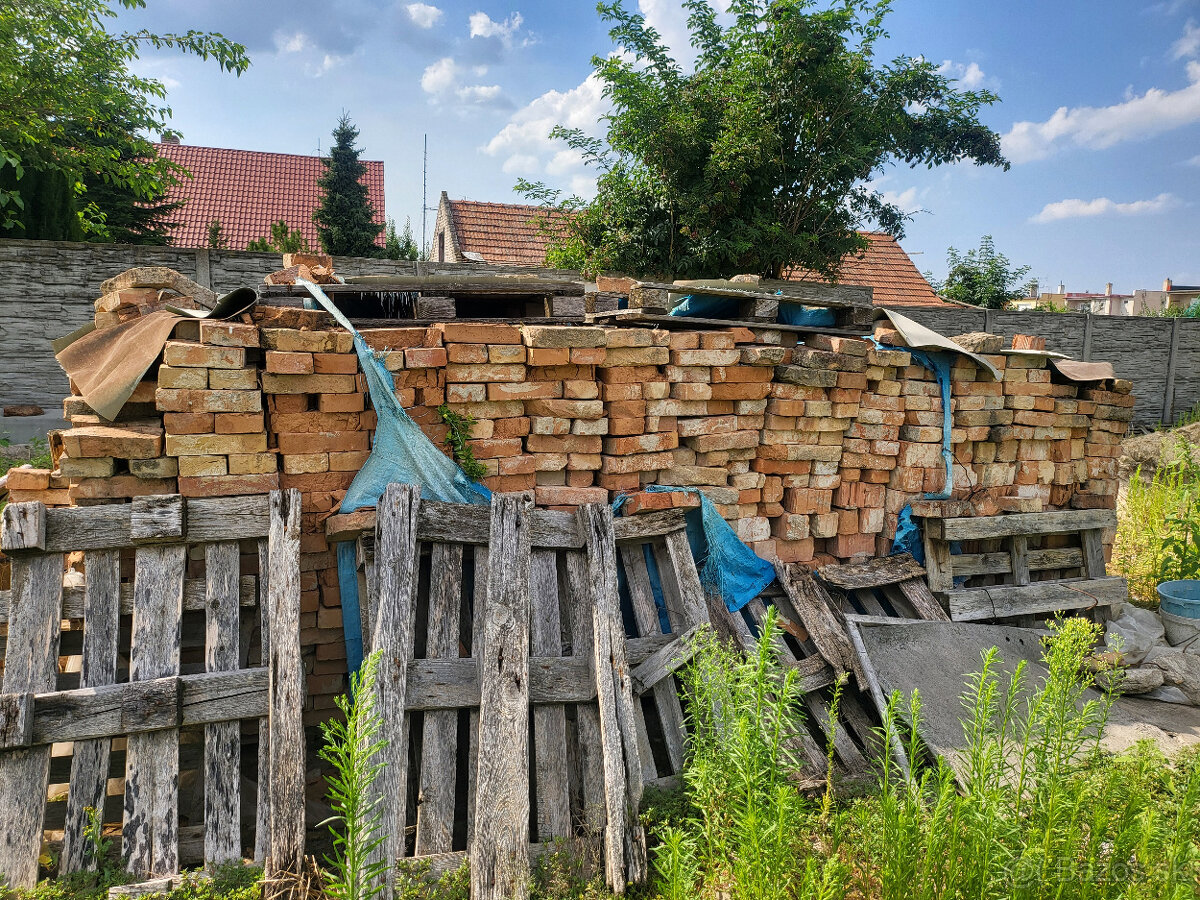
(345, 218)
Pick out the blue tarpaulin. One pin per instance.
(704, 306)
(728, 568)
(400, 453)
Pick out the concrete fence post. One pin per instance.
(1169, 388)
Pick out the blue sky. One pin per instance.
(1099, 111)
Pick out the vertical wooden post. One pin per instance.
(286, 688)
(587, 716)
(625, 842)
(550, 719)
(89, 759)
(397, 565)
(478, 609)
(1086, 356)
(1168, 410)
(500, 849)
(30, 666)
(439, 743)
(150, 837)
(262, 811)
(222, 740)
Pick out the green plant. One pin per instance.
(399, 245)
(983, 277)
(345, 219)
(282, 240)
(761, 155)
(414, 881)
(216, 236)
(458, 436)
(351, 747)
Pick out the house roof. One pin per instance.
(886, 269)
(247, 190)
(503, 233)
(508, 233)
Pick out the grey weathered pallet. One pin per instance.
(1003, 551)
(75, 598)
(661, 320)
(149, 710)
(523, 633)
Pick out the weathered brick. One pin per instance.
(290, 339)
(199, 401)
(253, 463)
(484, 373)
(308, 384)
(180, 353)
(182, 377)
(285, 362)
(107, 440)
(228, 485)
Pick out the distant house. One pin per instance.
(1172, 296)
(247, 190)
(1107, 303)
(517, 235)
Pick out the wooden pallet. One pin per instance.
(157, 699)
(515, 682)
(1024, 564)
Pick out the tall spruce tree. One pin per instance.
(345, 218)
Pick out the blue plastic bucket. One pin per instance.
(1180, 598)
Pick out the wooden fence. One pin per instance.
(138, 693)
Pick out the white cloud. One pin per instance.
(423, 15)
(295, 42)
(1075, 208)
(1194, 161)
(906, 199)
(1189, 44)
(969, 75)
(443, 81)
(299, 42)
(482, 25)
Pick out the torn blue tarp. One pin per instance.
(705, 306)
(728, 568)
(400, 453)
(908, 536)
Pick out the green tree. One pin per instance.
(216, 236)
(282, 240)
(763, 157)
(981, 277)
(70, 105)
(345, 218)
(398, 245)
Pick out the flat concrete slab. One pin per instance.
(936, 659)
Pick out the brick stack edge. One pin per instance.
(809, 450)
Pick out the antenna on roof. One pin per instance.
(424, 191)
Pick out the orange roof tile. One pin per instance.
(247, 190)
(503, 233)
(511, 234)
(884, 267)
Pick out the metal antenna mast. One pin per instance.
(424, 192)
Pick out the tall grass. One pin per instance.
(1156, 517)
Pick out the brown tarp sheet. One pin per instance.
(1078, 370)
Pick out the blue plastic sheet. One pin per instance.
(400, 453)
(728, 568)
(704, 306)
(908, 536)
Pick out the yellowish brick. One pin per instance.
(252, 463)
(202, 465)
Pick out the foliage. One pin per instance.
(216, 236)
(762, 158)
(400, 245)
(1041, 811)
(747, 834)
(345, 218)
(1049, 306)
(981, 277)
(282, 240)
(70, 105)
(36, 453)
(350, 748)
(48, 206)
(413, 882)
(458, 436)
(1156, 524)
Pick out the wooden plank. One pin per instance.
(807, 597)
(24, 527)
(577, 586)
(1092, 540)
(625, 841)
(1000, 562)
(478, 624)
(150, 837)
(439, 743)
(1004, 600)
(29, 666)
(262, 808)
(923, 602)
(397, 563)
(844, 748)
(368, 584)
(549, 720)
(809, 293)
(939, 567)
(665, 661)
(222, 740)
(285, 718)
(74, 597)
(678, 572)
(872, 573)
(463, 523)
(1018, 553)
(644, 526)
(500, 848)
(89, 759)
(646, 617)
(640, 317)
(983, 527)
(156, 519)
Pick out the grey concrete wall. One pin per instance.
(1166, 383)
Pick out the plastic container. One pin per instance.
(1179, 609)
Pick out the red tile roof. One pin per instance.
(508, 233)
(887, 269)
(247, 190)
(503, 233)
